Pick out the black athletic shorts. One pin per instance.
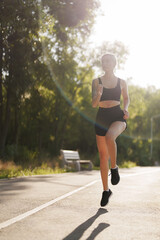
(105, 117)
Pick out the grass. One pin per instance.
(10, 169)
(126, 164)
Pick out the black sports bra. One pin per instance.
(111, 93)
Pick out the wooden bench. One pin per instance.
(72, 158)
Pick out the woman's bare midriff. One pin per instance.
(108, 104)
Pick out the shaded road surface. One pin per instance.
(69, 208)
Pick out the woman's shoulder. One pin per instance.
(95, 81)
(122, 82)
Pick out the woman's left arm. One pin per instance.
(126, 100)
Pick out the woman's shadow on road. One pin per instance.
(78, 232)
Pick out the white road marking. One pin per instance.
(140, 173)
(37, 209)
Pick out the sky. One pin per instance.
(136, 24)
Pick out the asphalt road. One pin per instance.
(67, 206)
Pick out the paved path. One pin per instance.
(66, 206)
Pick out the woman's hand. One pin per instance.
(100, 89)
(126, 114)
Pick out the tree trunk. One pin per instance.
(39, 140)
(7, 120)
(17, 125)
(1, 94)
(8, 106)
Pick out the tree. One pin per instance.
(21, 59)
(19, 30)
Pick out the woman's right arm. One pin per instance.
(97, 90)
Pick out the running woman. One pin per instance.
(110, 120)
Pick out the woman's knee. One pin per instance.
(110, 137)
(103, 155)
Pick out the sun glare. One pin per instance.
(134, 23)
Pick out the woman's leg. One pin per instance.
(113, 132)
(104, 157)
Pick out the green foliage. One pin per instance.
(117, 48)
(135, 142)
(46, 73)
(127, 164)
(20, 154)
(10, 170)
(33, 112)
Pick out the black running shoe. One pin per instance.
(115, 178)
(105, 197)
